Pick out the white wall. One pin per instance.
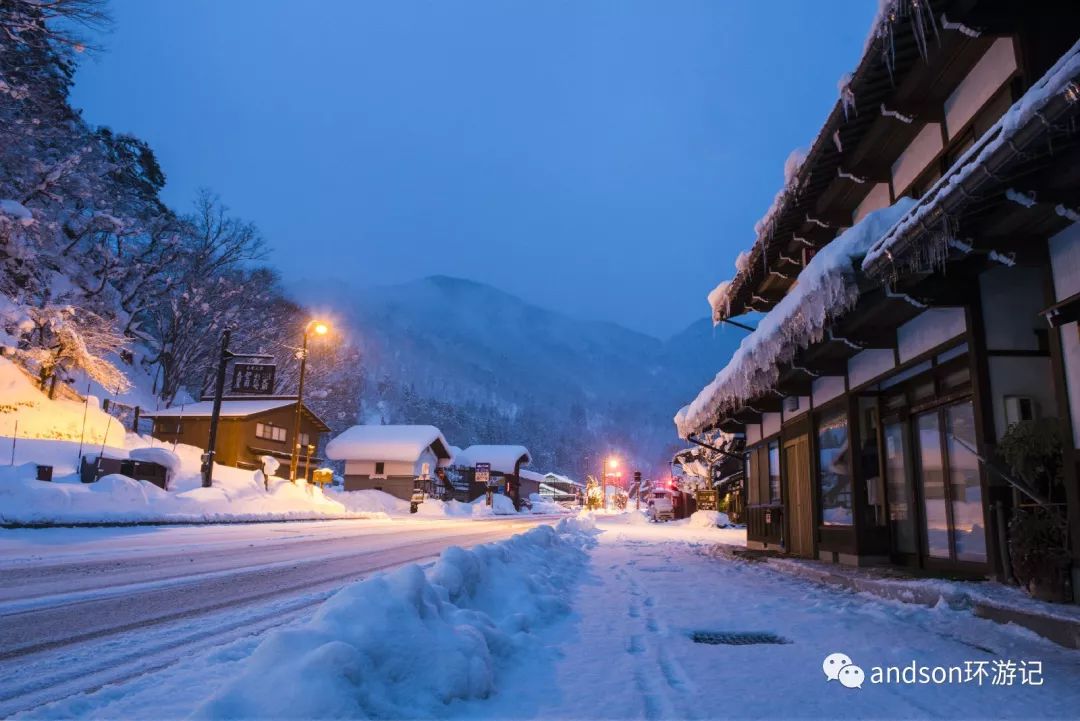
(753, 433)
(1065, 261)
(390, 468)
(877, 198)
(826, 388)
(804, 406)
(1021, 376)
(983, 82)
(869, 364)
(929, 329)
(923, 148)
(1011, 300)
(770, 424)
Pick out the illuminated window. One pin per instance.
(270, 432)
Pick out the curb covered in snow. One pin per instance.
(1057, 626)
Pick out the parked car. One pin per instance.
(660, 506)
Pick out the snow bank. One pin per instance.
(407, 643)
(826, 288)
(709, 519)
(370, 501)
(500, 506)
(540, 504)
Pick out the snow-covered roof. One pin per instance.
(532, 475)
(878, 58)
(558, 478)
(1059, 80)
(229, 408)
(387, 443)
(826, 288)
(503, 459)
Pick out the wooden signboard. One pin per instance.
(706, 501)
(256, 378)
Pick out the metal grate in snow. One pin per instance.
(736, 638)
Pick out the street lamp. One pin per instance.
(612, 463)
(318, 328)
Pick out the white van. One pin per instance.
(660, 506)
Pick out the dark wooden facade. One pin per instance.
(238, 444)
(872, 445)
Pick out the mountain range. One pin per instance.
(486, 366)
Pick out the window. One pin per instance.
(774, 472)
(270, 432)
(304, 439)
(380, 468)
(834, 471)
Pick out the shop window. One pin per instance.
(270, 432)
(834, 470)
(774, 472)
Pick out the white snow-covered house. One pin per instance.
(918, 279)
(389, 458)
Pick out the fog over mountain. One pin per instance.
(486, 366)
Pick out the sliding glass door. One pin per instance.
(898, 485)
(951, 491)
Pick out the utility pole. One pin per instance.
(219, 391)
(294, 459)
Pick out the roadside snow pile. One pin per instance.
(369, 650)
(235, 496)
(709, 519)
(540, 504)
(370, 501)
(826, 288)
(500, 506)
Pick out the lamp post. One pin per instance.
(612, 463)
(319, 328)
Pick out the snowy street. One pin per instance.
(602, 632)
(84, 607)
(627, 652)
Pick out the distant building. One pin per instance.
(505, 465)
(249, 428)
(389, 458)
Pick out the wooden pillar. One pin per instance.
(985, 435)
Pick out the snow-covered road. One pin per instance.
(621, 648)
(80, 608)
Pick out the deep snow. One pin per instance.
(560, 630)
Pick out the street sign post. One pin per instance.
(483, 473)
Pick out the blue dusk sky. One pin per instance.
(606, 159)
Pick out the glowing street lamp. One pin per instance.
(318, 328)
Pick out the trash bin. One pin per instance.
(44, 473)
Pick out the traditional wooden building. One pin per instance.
(389, 458)
(249, 428)
(919, 274)
(504, 464)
